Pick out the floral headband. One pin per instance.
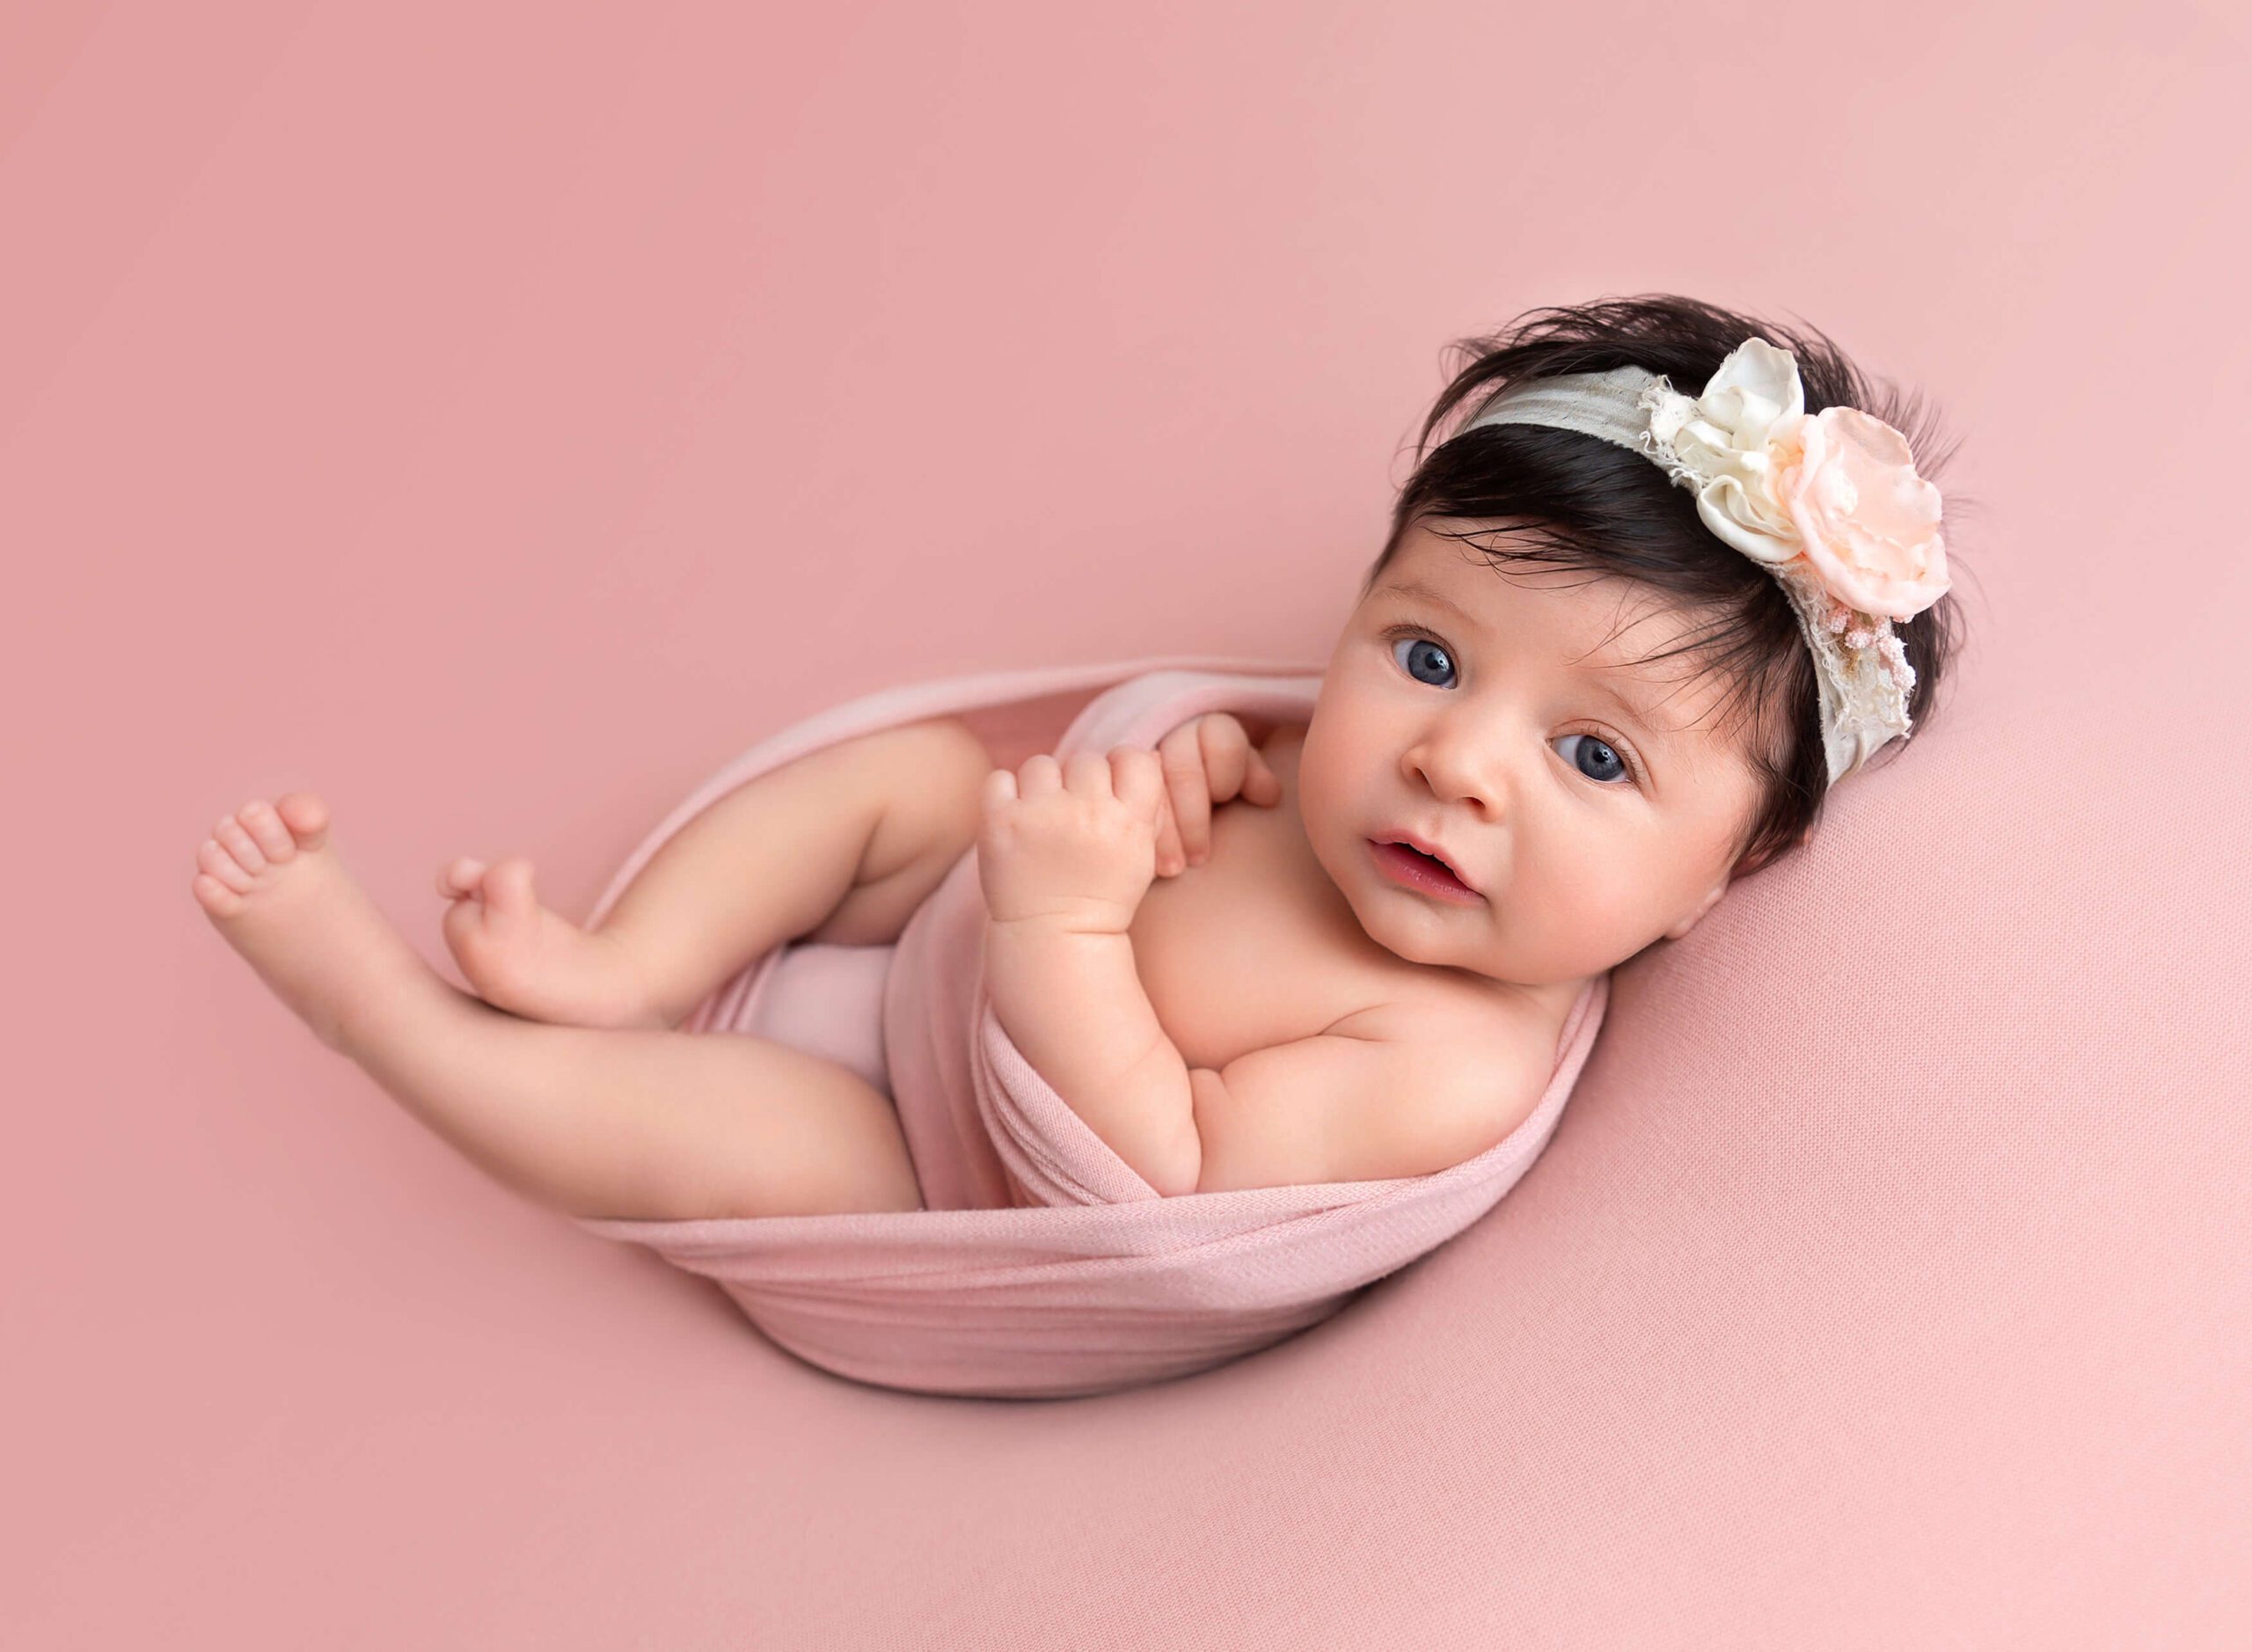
(1830, 504)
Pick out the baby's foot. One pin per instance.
(273, 885)
(523, 958)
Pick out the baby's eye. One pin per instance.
(1429, 648)
(1607, 764)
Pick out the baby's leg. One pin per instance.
(642, 1123)
(639, 1123)
(841, 845)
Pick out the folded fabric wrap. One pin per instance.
(1042, 1266)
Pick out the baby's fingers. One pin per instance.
(1187, 792)
(1262, 786)
(1233, 767)
(1035, 777)
(1039, 775)
(1171, 860)
(1136, 780)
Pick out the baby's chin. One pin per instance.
(1434, 947)
(1393, 924)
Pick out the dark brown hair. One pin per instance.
(1575, 501)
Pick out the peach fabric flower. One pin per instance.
(1866, 521)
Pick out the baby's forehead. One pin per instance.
(1678, 663)
(1682, 694)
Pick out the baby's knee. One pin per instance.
(951, 743)
(932, 777)
(955, 763)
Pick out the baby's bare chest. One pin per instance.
(1257, 947)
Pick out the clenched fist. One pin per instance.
(1073, 843)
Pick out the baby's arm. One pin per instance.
(1067, 990)
(1077, 1011)
(1066, 853)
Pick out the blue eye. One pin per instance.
(1614, 765)
(1418, 642)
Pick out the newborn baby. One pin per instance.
(1491, 803)
(1504, 789)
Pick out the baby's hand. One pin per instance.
(1075, 842)
(1207, 761)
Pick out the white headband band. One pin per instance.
(1831, 504)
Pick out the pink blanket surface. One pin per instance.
(1042, 1266)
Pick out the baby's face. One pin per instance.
(1588, 828)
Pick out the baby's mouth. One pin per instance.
(1413, 867)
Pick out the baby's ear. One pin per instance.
(1712, 896)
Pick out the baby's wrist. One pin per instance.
(1061, 924)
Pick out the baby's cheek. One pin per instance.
(1601, 915)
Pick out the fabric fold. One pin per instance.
(1043, 1265)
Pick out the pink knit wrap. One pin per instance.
(1041, 1265)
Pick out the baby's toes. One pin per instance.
(219, 863)
(494, 921)
(249, 843)
(266, 830)
(461, 879)
(306, 816)
(234, 839)
(494, 933)
(508, 897)
(511, 907)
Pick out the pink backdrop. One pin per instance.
(495, 417)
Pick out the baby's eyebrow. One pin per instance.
(1435, 596)
(1634, 714)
